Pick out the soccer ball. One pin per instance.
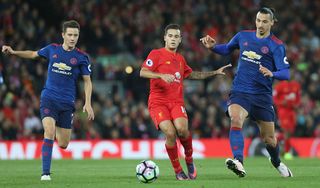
(147, 171)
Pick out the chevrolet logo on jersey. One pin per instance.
(62, 66)
(251, 55)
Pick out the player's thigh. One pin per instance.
(65, 118)
(262, 108)
(287, 124)
(168, 129)
(238, 109)
(267, 129)
(49, 127)
(63, 136)
(180, 119)
(181, 125)
(287, 120)
(237, 114)
(49, 115)
(158, 114)
(64, 127)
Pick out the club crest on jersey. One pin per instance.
(264, 49)
(168, 62)
(149, 62)
(245, 43)
(73, 61)
(46, 111)
(55, 56)
(177, 75)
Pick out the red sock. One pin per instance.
(187, 145)
(173, 155)
(286, 145)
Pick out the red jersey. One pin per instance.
(287, 94)
(163, 61)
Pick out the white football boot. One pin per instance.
(45, 178)
(236, 166)
(283, 170)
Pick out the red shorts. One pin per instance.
(287, 120)
(169, 111)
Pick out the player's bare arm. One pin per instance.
(203, 75)
(266, 72)
(146, 73)
(88, 91)
(28, 54)
(208, 42)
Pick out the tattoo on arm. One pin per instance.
(197, 75)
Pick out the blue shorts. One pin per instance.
(61, 112)
(259, 106)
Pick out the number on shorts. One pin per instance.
(183, 109)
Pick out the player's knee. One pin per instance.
(236, 121)
(63, 145)
(171, 136)
(182, 133)
(49, 134)
(270, 140)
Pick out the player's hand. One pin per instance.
(167, 77)
(266, 72)
(7, 50)
(89, 110)
(221, 69)
(208, 42)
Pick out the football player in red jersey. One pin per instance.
(166, 69)
(286, 96)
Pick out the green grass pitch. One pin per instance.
(116, 173)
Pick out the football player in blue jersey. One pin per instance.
(57, 103)
(262, 59)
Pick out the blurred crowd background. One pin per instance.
(118, 35)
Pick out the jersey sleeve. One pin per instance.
(45, 51)
(187, 69)
(152, 60)
(85, 66)
(280, 59)
(234, 42)
(226, 49)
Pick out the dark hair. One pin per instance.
(171, 26)
(70, 24)
(271, 11)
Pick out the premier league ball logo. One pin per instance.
(149, 63)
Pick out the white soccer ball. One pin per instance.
(147, 171)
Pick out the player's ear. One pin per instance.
(272, 22)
